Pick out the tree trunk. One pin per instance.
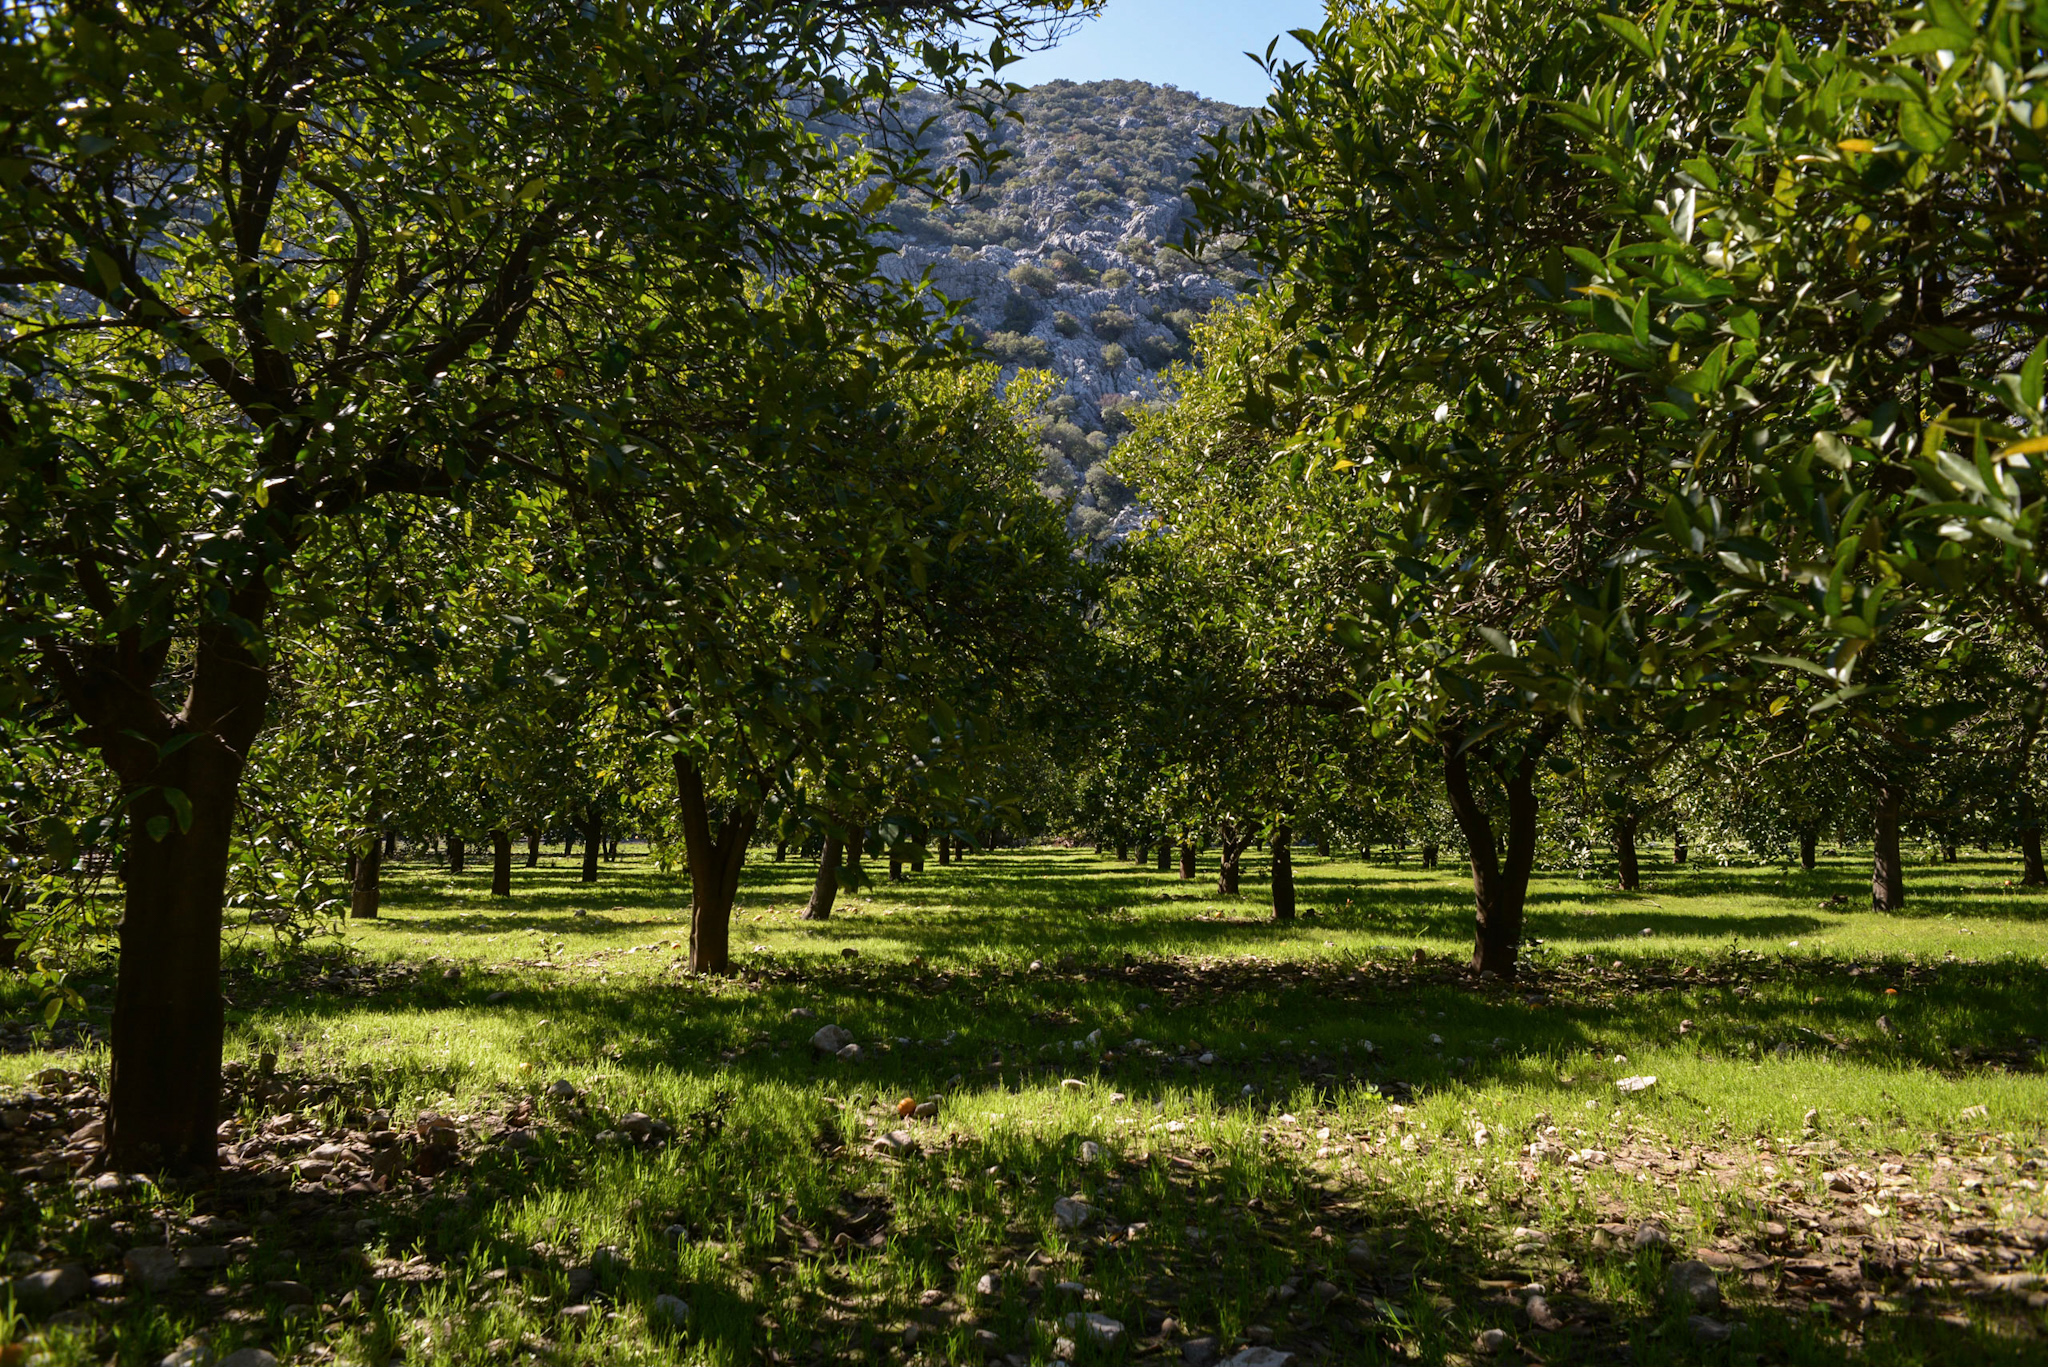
(1678, 849)
(715, 858)
(593, 843)
(501, 862)
(1144, 853)
(895, 868)
(1187, 861)
(1165, 856)
(1230, 846)
(13, 906)
(1283, 873)
(1887, 877)
(568, 846)
(1809, 839)
(825, 891)
(1625, 854)
(366, 890)
(2033, 874)
(455, 853)
(533, 849)
(1500, 883)
(781, 850)
(164, 1085)
(1429, 854)
(391, 844)
(1948, 853)
(1123, 851)
(849, 858)
(945, 850)
(1322, 845)
(917, 859)
(1365, 852)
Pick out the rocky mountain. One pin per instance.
(1069, 259)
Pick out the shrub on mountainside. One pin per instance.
(1017, 348)
(1020, 313)
(1112, 323)
(1026, 276)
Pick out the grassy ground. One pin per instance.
(1322, 1137)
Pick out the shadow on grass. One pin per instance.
(1037, 903)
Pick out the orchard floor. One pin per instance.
(1325, 1138)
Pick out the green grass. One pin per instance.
(984, 986)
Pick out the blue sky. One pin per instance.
(1198, 45)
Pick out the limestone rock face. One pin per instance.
(1085, 219)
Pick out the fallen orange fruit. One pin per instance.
(906, 1106)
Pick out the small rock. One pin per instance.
(289, 1293)
(561, 1089)
(51, 1288)
(248, 1357)
(1100, 1328)
(107, 1183)
(1694, 1282)
(1206, 1059)
(1259, 1356)
(1090, 1151)
(924, 1110)
(494, 998)
(1709, 1330)
(638, 1124)
(1325, 1292)
(205, 1257)
(1540, 1314)
(188, 1355)
(154, 1269)
(989, 1285)
(1359, 1254)
(670, 1311)
(1071, 1213)
(802, 1013)
(1631, 1085)
(850, 1054)
(1072, 1084)
(576, 1314)
(1070, 1288)
(1199, 1352)
(1063, 1349)
(1651, 1235)
(1490, 1341)
(582, 1281)
(897, 1142)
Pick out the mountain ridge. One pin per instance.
(1070, 258)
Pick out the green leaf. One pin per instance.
(181, 807)
(1628, 32)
